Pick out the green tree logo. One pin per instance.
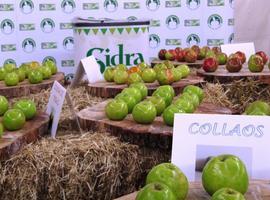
(28, 45)
(110, 5)
(26, 6)
(132, 18)
(152, 5)
(68, 6)
(10, 61)
(172, 22)
(154, 41)
(68, 43)
(47, 25)
(215, 21)
(7, 26)
(193, 39)
(69, 77)
(193, 4)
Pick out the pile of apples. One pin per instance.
(165, 73)
(33, 71)
(224, 177)
(235, 61)
(14, 118)
(189, 55)
(145, 109)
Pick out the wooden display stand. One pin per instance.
(197, 64)
(154, 135)
(257, 190)
(223, 76)
(109, 90)
(25, 88)
(12, 142)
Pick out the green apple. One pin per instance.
(222, 58)
(166, 88)
(227, 194)
(149, 75)
(144, 112)
(168, 114)
(128, 99)
(116, 110)
(165, 95)
(160, 66)
(109, 74)
(225, 171)
(2, 73)
(21, 74)
(28, 108)
(142, 66)
(193, 98)
(159, 103)
(11, 79)
(165, 77)
(255, 63)
(184, 69)
(172, 176)
(134, 78)
(168, 64)
(46, 72)
(177, 74)
(13, 119)
(258, 106)
(1, 130)
(155, 191)
(195, 90)
(35, 76)
(121, 67)
(141, 86)
(257, 112)
(120, 76)
(185, 105)
(34, 64)
(26, 68)
(10, 67)
(52, 66)
(3, 105)
(135, 92)
(211, 54)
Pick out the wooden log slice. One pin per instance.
(25, 88)
(12, 142)
(155, 135)
(257, 190)
(223, 76)
(109, 90)
(197, 64)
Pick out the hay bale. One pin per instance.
(91, 166)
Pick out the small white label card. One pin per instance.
(198, 137)
(54, 107)
(91, 68)
(247, 48)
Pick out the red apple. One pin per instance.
(203, 52)
(196, 48)
(255, 63)
(210, 64)
(170, 55)
(263, 56)
(180, 56)
(241, 56)
(216, 50)
(177, 50)
(191, 56)
(161, 54)
(234, 63)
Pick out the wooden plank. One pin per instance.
(223, 76)
(197, 64)
(12, 142)
(257, 190)
(154, 135)
(24, 88)
(109, 90)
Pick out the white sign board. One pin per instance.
(247, 48)
(199, 136)
(54, 107)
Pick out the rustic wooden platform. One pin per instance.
(109, 90)
(154, 135)
(197, 64)
(258, 190)
(12, 142)
(223, 76)
(25, 88)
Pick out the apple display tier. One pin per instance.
(109, 89)
(12, 142)
(197, 64)
(24, 88)
(155, 135)
(258, 189)
(223, 76)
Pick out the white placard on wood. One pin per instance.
(247, 48)
(91, 68)
(197, 137)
